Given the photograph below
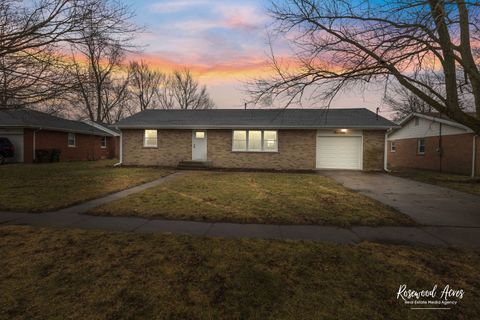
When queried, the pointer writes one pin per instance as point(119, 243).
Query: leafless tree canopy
point(145, 85)
point(182, 91)
point(100, 89)
point(340, 44)
point(31, 70)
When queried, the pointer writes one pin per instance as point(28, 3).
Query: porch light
point(341, 131)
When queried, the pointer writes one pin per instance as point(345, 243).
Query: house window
point(199, 134)
point(393, 147)
point(421, 146)
point(150, 139)
point(71, 140)
point(417, 121)
point(104, 142)
point(255, 140)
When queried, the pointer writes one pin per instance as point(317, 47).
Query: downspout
point(121, 150)
point(34, 143)
point(385, 160)
point(474, 155)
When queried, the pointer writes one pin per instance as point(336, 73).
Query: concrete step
point(194, 165)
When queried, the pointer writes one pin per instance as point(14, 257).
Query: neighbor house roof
point(256, 118)
point(22, 118)
point(436, 117)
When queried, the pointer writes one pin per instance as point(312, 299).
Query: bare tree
point(31, 69)
point(182, 91)
point(145, 84)
point(97, 59)
point(340, 44)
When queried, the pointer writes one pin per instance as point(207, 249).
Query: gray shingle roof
point(22, 118)
point(256, 118)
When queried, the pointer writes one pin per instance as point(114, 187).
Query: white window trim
point(74, 140)
point(145, 140)
point(247, 138)
point(101, 143)
point(418, 146)
point(393, 146)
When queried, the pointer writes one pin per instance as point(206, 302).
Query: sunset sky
point(224, 42)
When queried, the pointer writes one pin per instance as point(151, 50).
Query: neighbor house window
point(71, 139)
point(393, 147)
point(255, 140)
point(421, 146)
point(104, 142)
point(150, 139)
point(417, 121)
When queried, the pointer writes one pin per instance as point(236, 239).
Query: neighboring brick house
point(31, 131)
point(434, 142)
point(278, 139)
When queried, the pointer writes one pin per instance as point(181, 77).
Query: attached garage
point(340, 151)
point(16, 138)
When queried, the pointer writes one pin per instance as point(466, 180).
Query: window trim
point(145, 139)
point(419, 144)
point(247, 141)
point(74, 145)
point(102, 144)
point(393, 146)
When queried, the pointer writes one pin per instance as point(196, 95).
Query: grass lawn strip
point(99, 275)
point(453, 181)
point(47, 187)
point(279, 198)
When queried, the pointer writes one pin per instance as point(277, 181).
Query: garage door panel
point(339, 153)
point(17, 140)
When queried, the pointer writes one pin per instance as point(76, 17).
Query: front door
point(199, 145)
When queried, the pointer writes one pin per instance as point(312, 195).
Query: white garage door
point(16, 138)
point(339, 152)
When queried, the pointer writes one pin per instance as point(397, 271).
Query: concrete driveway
point(427, 204)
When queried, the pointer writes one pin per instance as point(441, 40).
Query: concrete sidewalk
point(424, 236)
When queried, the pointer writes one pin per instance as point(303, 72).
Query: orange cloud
point(231, 71)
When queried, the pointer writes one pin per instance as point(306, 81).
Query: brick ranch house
point(278, 139)
point(30, 131)
point(434, 142)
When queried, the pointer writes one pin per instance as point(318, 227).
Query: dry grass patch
point(256, 198)
point(45, 187)
point(448, 180)
point(71, 274)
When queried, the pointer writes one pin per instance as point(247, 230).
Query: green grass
point(256, 198)
point(60, 274)
point(448, 180)
point(45, 187)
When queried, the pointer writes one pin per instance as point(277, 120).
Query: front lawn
point(45, 187)
point(55, 274)
point(447, 180)
point(256, 198)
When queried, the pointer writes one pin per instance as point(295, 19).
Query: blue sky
point(223, 42)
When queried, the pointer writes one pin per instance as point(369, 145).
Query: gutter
point(121, 151)
point(474, 155)
point(385, 155)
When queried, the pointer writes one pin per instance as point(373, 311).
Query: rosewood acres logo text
point(430, 299)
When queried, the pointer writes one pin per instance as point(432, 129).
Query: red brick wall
point(88, 147)
point(456, 156)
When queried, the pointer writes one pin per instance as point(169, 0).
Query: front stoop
point(194, 165)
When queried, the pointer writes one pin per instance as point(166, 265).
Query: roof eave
point(229, 127)
point(57, 129)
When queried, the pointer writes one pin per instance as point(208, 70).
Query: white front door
point(199, 145)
